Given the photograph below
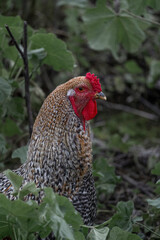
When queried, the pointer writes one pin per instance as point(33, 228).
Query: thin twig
point(141, 18)
point(144, 226)
point(116, 6)
point(134, 111)
point(14, 41)
point(152, 107)
point(26, 71)
point(145, 102)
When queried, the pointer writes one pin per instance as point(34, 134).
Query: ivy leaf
point(5, 90)
point(57, 54)
point(20, 153)
point(98, 234)
point(107, 30)
point(119, 234)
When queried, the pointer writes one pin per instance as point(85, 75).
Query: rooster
point(60, 150)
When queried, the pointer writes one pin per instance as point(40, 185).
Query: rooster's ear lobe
point(70, 93)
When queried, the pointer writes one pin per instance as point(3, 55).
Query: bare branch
point(14, 41)
point(26, 71)
point(134, 111)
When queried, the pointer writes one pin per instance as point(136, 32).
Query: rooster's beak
point(100, 96)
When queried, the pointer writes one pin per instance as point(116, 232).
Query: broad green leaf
point(98, 234)
point(5, 90)
point(106, 30)
point(15, 25)
point(10, 21)
point(154, 203)
point(63, 217)
point(10, 128)
point(57, 54)
point(20, 153)
point(15, 179)
point(122, 218)
point(118, 234)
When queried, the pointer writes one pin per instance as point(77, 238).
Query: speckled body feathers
point(60, 153)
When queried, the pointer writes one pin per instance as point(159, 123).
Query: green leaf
point(5, 90)
point(98, 234)
point(64, 219)
point(137, 6)
point(15, 107)
point(71, 216)
point(107, 30)
point(16, 27)
point(10, 21)
point(20, 153)
point(107, 178)
point(156, 169)
point(15, 179)
point(57, 54)
point(154, 203)
point(123, 216)
point(118, 234)
point(10, 128)
point(29, 188)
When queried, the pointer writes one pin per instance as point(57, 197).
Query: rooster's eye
point(81, 89)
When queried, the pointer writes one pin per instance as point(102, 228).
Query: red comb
point(94, 82)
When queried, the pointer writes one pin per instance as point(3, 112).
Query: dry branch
point(26, 72)
point(128, 109)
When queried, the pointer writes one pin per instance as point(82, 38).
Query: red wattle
point(90, 110)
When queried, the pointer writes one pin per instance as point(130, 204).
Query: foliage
point(118, 41)
point(27, 220)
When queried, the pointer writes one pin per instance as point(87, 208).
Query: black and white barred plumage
point(60, 153)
